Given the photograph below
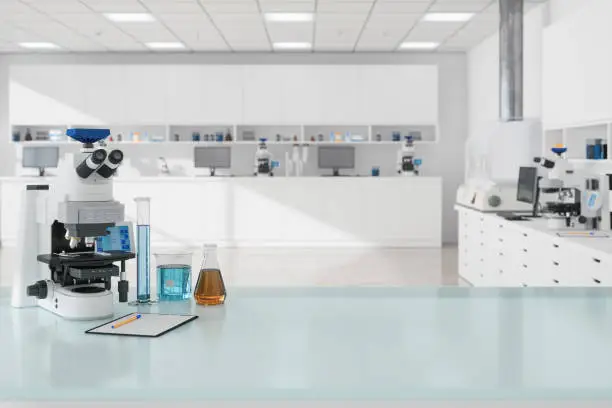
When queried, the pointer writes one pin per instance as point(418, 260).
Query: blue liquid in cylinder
point(143, 280)
point(174, 282)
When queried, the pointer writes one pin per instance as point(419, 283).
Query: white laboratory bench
point(404, 345)
point(272, 211)
point(496, 252)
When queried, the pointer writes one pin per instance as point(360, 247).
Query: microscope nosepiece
point(91, 163)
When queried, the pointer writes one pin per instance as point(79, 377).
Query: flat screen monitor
point(213, 157)
point(40, 157)
point(336, 157)
point(527, 190)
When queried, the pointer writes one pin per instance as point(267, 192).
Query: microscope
point(576, 194)
point(263, 160)
point(79, 282)
point(407, 165)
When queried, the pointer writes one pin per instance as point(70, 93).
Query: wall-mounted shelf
point(576, 138)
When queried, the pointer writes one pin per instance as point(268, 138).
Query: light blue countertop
point(326, 343)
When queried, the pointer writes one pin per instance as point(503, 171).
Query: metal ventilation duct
point(511, 60)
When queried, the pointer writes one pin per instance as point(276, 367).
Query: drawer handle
point(555, 263)
point(597, 260)
point(555, 245)
point(556, 281)
point(597, 281)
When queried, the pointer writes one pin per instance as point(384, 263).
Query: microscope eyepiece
point(91, 163)
point(110, 165)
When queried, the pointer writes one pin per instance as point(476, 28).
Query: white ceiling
point(238, 25)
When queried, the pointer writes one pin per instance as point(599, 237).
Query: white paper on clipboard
point(149, 325)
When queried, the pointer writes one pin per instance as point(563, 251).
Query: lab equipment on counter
point(16, 136)
point(396, 136)
point(147, 325)
point(228, 136)
point(378, 137)
point(173, 275)
point(80, 210)
point(219, 136)
point(210, 288)
point(195, 137)
point(294, 164)
point(375, 171)
point(574, 194)
point(278, 138)
point(406, 162)
point(163, 166)
point(493, 158)
point(320, 137)
point(213, 158)
point(28, 135)
point(263, 160)
point(143, 249)
point(40, 157)
point(336, 158)
point(177, 137)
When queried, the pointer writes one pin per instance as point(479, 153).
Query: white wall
point(445, 159)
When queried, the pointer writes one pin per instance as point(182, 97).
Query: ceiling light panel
point(400, 7)
point(277, 6)
point(419, 45)
point(130, 17)
point(230, 7)
point(292, 46)
point(460, 6)
point(283, 32)
point(289, 17)
point(447, 17)
point(173, 7)
point(166, 46)
point(344, 7)
point(42, 45)
point(433, 32)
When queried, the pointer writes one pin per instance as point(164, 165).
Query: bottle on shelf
point(28, 135)
point(16, 136)
point(312, 138)
point(295, 138)
point(206, 137)
point(320, 137)
point(195, 136)
point(210, 288)
point(177, 137)
point(228, 135)
point(119, 137)
point(278, 137)
point(378, 137)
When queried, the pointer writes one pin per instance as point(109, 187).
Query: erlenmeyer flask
point(210, 289)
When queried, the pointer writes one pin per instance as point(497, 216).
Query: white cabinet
point(496, 252)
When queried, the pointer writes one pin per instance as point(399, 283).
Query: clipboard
point(149, 325)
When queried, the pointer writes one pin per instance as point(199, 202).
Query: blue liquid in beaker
point(143, 280)
point(174, 282)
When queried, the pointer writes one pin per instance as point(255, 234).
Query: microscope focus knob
point(39, 289)
point(582, 219)
point(494, 201)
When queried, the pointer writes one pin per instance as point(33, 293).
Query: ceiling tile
point(283, 32)
point(433, 31)
point(400, 7)
point(115, 6)
point(405, 21)
point(13, 6)
point(381, 38)
point(288, 6)
point(201, 34)
point(344, 7)
point(175, 7)
point(184, 19)
point(231, 7)
point(150, 32)
point(209, 47)
point(60, 6)
point(460, 6)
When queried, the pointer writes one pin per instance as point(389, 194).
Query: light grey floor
point(314, 267)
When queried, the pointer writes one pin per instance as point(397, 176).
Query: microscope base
point(64, 302)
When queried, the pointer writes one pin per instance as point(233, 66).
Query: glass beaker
point(143, 251)
point(173, 275)
point(210, 288)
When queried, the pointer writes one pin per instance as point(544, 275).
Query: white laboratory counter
point(466, 347)
point(265, 211)
point(496, 252)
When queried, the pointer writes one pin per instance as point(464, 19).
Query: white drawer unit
point(500, 253)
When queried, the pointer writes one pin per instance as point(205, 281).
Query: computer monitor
point(213, 157)
point(40, 157)
point(528, 190)
point(336, 158)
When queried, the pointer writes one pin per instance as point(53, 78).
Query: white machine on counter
point(493, 159)
point(294, 163)
point(81, 209)
point(407, 164)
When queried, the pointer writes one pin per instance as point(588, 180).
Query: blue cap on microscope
point(88, 135)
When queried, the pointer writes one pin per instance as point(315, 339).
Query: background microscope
point(263, 165)
point(573, 194)
point(81, 210)
point(407, 164)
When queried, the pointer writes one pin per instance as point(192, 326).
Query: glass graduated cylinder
point(143, 279)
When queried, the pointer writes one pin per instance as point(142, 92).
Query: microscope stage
point(85, 258)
